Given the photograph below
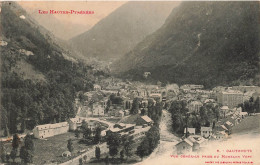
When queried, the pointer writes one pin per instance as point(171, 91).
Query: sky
point(101, 9)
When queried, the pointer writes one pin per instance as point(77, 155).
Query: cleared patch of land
point(247, 124)
point(50, 150)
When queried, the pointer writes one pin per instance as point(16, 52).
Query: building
point(246, 88)
point(194, 106)
point(74, 123)
point(144, 120)
point(221, 135)
point(223, 111)
point(49, 130)
point(98, 110)
point(156, 94)
point(206, 131)
point(198, 142)
point(97, 87)
point(3, 43)
point(119, 113)
point(230, 98)
point(121, 128)
point(191, 131)
point(229, 126)
point(185, 146)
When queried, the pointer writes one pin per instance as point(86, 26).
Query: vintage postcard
point(130, 82)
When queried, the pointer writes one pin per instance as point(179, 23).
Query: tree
point(153, 136)
point(113, 151)
point(28, 156)
point(3, 152)
point(107, 160)
point(135, 106)
point(13, 154)
point(143, 112)
point(122, 155)
point(143, 149)
point(257, 105)
point(128, 146)
point(28, 142)
point(77, 133)
point(23, 153)
point(213, 125)
point(70, 145)
point(7, 157)
point(16, 141)
point(97, 152)
point(84, 125)
point(207, 124)
point(87, 132)
point(113, 142)
point(85, 157)
point(80, 161)
point(97, 137)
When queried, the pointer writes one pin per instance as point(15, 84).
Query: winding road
point(167, 143)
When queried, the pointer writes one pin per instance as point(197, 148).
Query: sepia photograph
point(130, 82)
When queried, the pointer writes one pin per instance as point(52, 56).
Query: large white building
point(48, 130)
point(230, 98)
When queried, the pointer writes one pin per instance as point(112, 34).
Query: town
point(118, 117)
point(125, 82)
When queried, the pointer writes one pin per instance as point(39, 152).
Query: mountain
point(210, 43)
point(39, 81)
point(120, 31)
point(62, 29)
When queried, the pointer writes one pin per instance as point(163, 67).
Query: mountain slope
point(38, 81)
point(120, 31)
point(210, 43)
point(61, 29)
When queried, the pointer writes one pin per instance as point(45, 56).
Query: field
point(247, 124)
point(50, 150)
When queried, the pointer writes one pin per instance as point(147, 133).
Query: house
point(206, 131)
point(185, 146)
point(229, 126)
point(97, 87)
point(194, 106)
point(224, 110)
point(74, 123)
point(198, 142)
point(127, 112)
point(144, 120)
point(156, 94)
point(243, 114)
point(221, 135)
point(119, 114)
point(219, 128)
point(191, 131)
point(3, 43)
point(98, 110)
point(49, 130)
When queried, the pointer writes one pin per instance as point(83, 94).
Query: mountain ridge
point(120, 31)
point(200, 42)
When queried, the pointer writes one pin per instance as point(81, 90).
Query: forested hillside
point(120, 31)
point(38, 82)
point(209, 43)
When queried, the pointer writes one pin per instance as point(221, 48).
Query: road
point(167, 143)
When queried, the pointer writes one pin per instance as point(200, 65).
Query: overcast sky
point(101, 9)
